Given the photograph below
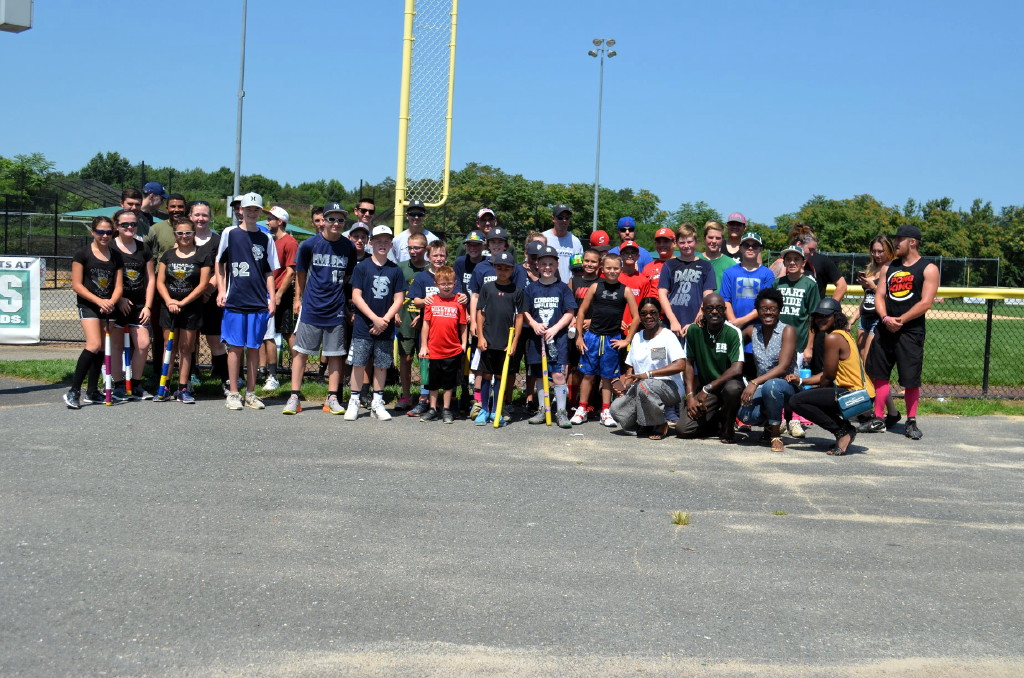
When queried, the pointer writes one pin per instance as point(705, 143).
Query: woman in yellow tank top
point(841, 370)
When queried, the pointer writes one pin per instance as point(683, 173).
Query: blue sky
point(749, 106)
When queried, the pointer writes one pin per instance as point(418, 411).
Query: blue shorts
point(600, 358)
point(244, 329)
point(868, 325)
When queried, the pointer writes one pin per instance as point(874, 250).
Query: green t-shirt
point(713, 354)
point(408, 312)
point(801, 298)
point(160, 239)
point(719, 265)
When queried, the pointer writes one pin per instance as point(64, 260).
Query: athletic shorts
point(188, 318)
point(868, 325)
point(536, 369)
point(558, 353)
point(284, 316)
point(213, 315)
point(492, 361)
point(244, 329)
point(93, 313)
point(904, 350)
point(309, 339)
point(129, 319)
point(271, 329)
point(409, 345)
point(444, 373)
point(380, 349)
point(600, 358)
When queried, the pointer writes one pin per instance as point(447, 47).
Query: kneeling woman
point(841, 372)
point(181, 281)
point(653, 375)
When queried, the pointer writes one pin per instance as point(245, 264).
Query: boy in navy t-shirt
point(378, 290)
point(246, 261)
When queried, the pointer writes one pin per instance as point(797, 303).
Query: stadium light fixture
point(602, 45)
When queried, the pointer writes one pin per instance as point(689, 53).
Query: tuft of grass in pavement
point(779, 513)
point(680, 518)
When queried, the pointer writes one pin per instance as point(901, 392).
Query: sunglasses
point(184, 233)
point(627, 228)
point(563, 218)
point(416, 215)
point(335, 220)
point(751, 246)
point(128, 224)
point(366, 211)
point(99, 232)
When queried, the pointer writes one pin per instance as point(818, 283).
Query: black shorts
point(284, 316)
point(93, 312)
point(904, 350)
point(444, 373)
point(492, 360)
point(211, 316)
point(188, 318)
point(129, 319)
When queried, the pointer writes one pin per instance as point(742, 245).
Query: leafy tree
point(696, 213)
point(111, 168)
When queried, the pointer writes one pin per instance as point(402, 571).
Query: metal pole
point(597, 162)
point(7, 222)
point(988, 347)
point(241, 96)
point(403, 117)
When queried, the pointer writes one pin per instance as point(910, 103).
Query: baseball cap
point(536, 248)
point(750, 235)
point(736, 216)
point(549, 251)
point(559, 208)
point(154, 187)
point(416, 206)
point(627, 244)
point(664, 233)
point(251, 200)
point(235, 201)
point(576, 261)
point(600, 241)
point(795, 249)
point(486, 210)
point(381, 230)
point(503, 258)
point(828, 306)
point(908, 231)
point(498, 232)
point(335, 207)
point(474, 236)
point(358, 226)
point(279, 212)
point(627, 222)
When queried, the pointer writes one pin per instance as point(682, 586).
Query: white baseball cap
point(252, 200)
point(279, 212)
point(381, 230)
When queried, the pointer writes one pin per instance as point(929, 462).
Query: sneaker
point(195, 382)
point(352, 411)
point(186, 398)
point(271, 384)
point(91, 397)
point(429, 415)
point(891, 419)
point(579, 416)
point(119, 395)
point(874, 425)
point(474, 411)
point(421, 408)
point(911, 430)
point(165, 398)
point(404, 403)
point(378, 411)
point(562, 419)
point(539, 418)
point(293, 406)
point(253, 401)
point(226, 387)
point(71, 399)
point(331, 406)
point(741, 427)
point(234, 401)
point(796, 430)
point(504, 421)
point(481, 417)
point(143, 395)
point(365, 401)
point(447, 417)
point(606, 419)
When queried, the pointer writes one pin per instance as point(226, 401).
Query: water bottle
point(805, 373)
point(552, 352)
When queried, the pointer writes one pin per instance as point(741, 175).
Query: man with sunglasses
point(564, 242)
point(627, 233)
point(415, 214)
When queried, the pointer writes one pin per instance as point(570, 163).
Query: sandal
point(837, 451)
point(659, 433)
point(727, 437)
point(778, 445)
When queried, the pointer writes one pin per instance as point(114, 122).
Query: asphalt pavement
point(168, 540)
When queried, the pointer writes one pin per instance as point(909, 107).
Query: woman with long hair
point(96, 280)
point(134, 309)
point(881, 252)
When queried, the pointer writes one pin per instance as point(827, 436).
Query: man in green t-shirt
point(713, 239)
point(801, 296)
point(713, 375)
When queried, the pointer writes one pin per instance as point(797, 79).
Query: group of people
point(707, 342)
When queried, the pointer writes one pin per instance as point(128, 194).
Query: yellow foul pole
point(403, 116)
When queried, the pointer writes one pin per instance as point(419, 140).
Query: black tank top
point(903, 287)
point(606, 308)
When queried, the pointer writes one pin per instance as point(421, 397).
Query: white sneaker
point(253, 401)
point(606, 419)
point(796, 429)
point(271, 384)
point(352, 411)
point(579, 416)
point(234, 401)
point(378, 410)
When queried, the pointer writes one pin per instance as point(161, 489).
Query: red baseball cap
point(600, 241)
point(665, 233)
point(627, 244)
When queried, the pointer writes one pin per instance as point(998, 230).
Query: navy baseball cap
point(334, 207)
point(548, 251)
point(558, 209)
point(154, 187)
point(498, 232)
point(536, 248)
point(416, 206)
point(908, 231)
point(503, 258)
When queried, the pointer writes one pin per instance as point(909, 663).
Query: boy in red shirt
point(443, 341)
point(631, 277)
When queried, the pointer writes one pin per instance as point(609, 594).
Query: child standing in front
point(499, 309)
point(443, 341)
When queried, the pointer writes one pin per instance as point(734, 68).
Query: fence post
point(990, 303)
point(56, 219)
point(7, 223)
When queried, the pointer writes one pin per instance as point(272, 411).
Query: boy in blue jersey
point(378, 290)
point(740, 286)
point(246, 261)
point(323, 266)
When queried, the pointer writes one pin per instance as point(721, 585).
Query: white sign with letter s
point(19, 300)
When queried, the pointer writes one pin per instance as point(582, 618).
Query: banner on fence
point(19, 300)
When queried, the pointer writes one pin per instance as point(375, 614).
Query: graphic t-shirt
point(740, 288)
point(249, 257)
point(903, 288)
point(662, 349)
point(485, 273)
point(686, 282)
point(446, 318)
point(566, 246)
point(97, 275)
point(713, 353)
point(378, 284)
point(182, 274)
point(464, 273)
point(547, 303)
point(133, 274)
point(637, 284)
point(326, 264)
point(800, 298)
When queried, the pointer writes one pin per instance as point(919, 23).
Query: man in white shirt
point(564, 242)
point(415, 213)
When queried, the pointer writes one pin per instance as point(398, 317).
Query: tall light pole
point(238, 124)
point(602, 48)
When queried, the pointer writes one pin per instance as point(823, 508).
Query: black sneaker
point(71, 400)
point(446, 416)
point(892, 419)
point(92, 397)
point(911, 430)
point(875, 425)
point(429, 415)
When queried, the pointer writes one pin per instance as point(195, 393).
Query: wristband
point(707, 389)
point(884, 318)
point(800, 382)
